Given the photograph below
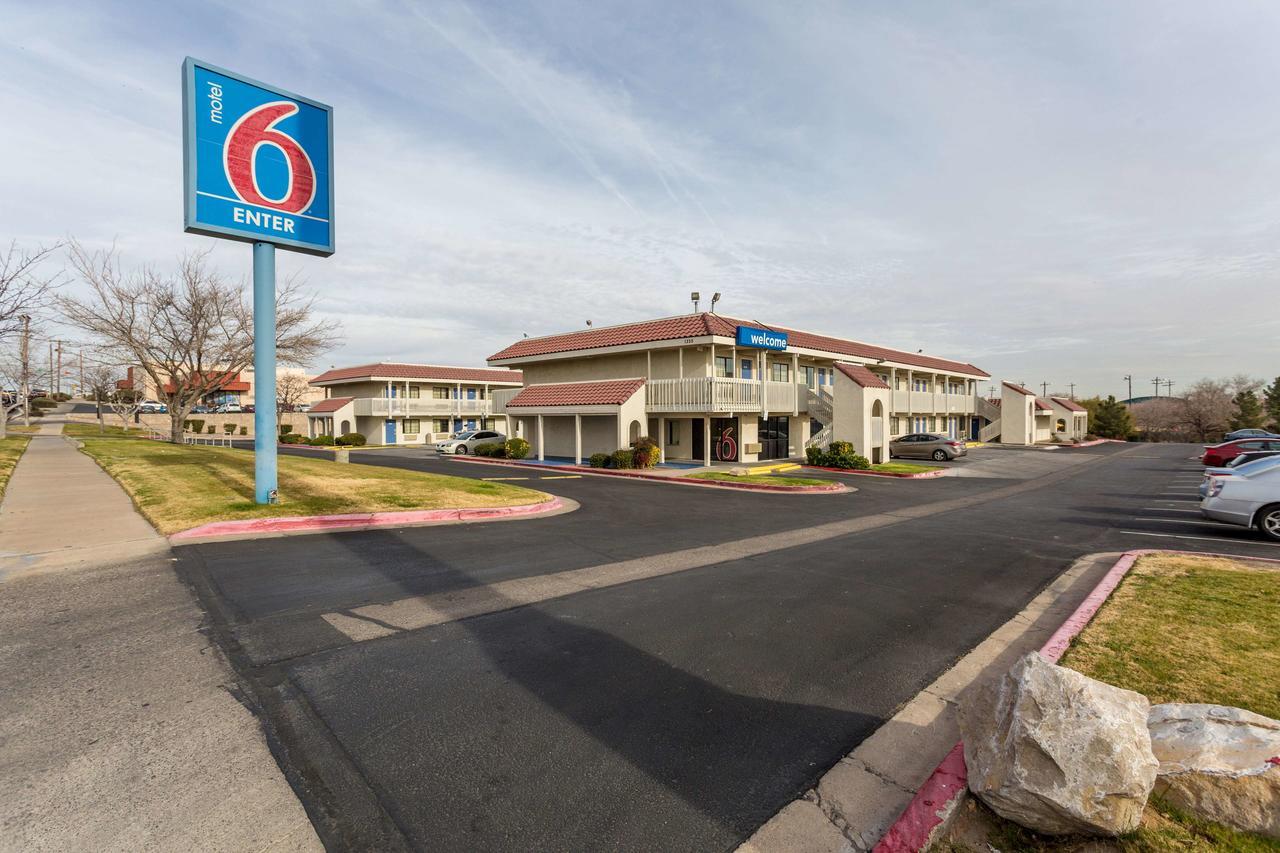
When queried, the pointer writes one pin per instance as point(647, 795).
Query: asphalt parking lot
point(663, 668)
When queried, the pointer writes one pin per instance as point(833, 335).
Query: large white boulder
point(1220, 763)
point(1058, 752)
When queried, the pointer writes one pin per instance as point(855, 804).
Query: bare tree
point(23, 290)
point(291, 389)
point(1159, 419)
point(1206, 409)
point(13, 397)
point(190, 331)
point(102, 385)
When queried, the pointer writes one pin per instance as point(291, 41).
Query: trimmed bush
point(211, 429)
point(644, 452)
point(285, 429)
point(196, 425)
point(813, 455)
point(321, 441)
point(496, 451)
point(517, 448)
point(244, 430)
point(351, 439)
point(839, 455)
point(292, 438)
point(623, 459)
point(229, 429)
point(599, 460)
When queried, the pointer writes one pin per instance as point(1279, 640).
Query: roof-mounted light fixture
point(695, 296)
point(715, 297)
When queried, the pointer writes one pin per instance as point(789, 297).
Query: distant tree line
point(1208, 409)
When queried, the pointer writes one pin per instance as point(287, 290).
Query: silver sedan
point(467, 442)
point(925, 445)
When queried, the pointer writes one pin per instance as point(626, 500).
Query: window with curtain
point(779, 371)
point(724, 366)
point(412, 426)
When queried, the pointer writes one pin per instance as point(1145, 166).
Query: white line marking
point(562, 477)
point(504, 478)
point(1169, 509)
point(1220, 540)
point(261, 207)
point(1185, 521)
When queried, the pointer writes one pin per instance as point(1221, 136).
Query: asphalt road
point(678, 711)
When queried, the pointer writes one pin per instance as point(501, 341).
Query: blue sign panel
point(259, 161)
point(749, 336)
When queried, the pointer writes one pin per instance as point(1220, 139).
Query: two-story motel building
point(712, 388)
point(392, 403)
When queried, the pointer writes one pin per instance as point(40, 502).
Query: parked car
point(1243, 469)
point(152, 407)
point(467, 442)
point(302, 407)
point(228, 409)
point(924, 445)
point(1251, 456)
point(248, 410)
point(1249, 433)
point(201, 410)
point(1220, 454)
point(1248, 499)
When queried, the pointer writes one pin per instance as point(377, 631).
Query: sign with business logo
point(749, 336)
point(258, 161)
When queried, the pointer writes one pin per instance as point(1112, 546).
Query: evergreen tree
point(1271, 395)
point(1111, 419)
point(1248, 411)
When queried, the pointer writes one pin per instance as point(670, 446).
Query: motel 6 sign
point(259, 161)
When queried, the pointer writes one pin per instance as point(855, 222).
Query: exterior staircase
point(984, 408)
point(820, 407)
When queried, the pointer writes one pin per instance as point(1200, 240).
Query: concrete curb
point(937, 800)
point(923, 475)
point(361, 521)
point(834, 488)
point(1093, 443)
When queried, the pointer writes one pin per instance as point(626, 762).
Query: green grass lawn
point(904, 468)
point(178, 487)
point(1177, 629)
point(11, 448)
point(770, 479)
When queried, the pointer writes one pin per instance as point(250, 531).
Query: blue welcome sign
point(749, 336)
point(258, 161)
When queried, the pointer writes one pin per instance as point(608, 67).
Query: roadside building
point(231, 387)
point(393, 403)
point(1070, 419)
point(712, 388)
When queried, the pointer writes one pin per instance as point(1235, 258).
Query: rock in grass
point(1220, 763)
point(1058, 752)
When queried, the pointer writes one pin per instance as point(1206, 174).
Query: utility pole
point(1129, 379)
point(26, 369)
point(1073, 390)
point(59, 379)
point(82, 372)
point(1168, 387)
point(48, 391)
point(1044, 389)
point(1157, 382)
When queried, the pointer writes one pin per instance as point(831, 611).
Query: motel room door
point(775, 438)
point(698, 444)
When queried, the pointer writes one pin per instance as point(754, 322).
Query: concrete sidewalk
point(119, 726)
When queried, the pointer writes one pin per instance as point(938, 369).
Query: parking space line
point(1170, 509)
point(504, 478)
point(1219, 539)
point(1185, 521)
point(561, 477)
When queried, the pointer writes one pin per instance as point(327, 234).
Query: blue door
point(393, 390)
point(457, 424)
point(471, 393)
point(390, 437)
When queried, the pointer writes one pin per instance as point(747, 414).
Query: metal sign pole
point(264, 373)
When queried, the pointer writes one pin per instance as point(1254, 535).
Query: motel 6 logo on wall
point(259, 161)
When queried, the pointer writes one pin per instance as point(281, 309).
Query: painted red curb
point(923, 475)
point(1093, 443)
point(360, 520)
point(946, 787)
point(638, 475)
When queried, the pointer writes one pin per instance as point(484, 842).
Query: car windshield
point(1257, 465)
point(463, 436)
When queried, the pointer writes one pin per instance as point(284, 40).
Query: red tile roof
point(1043, 406)
point(1069, 405)
point(1013, 387)
point(332, 404)
point(424, 372)
point(704, 324)
point(610, 392)
point(860, 374)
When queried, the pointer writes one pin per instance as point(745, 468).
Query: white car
point(1246, 469)
point(228, 409)
point(467, 442)
point(1249, 499)
point(152, 407)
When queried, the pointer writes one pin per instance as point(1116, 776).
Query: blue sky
point(1058, 192)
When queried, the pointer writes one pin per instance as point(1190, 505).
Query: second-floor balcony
point(388, 407)
point(718, 394)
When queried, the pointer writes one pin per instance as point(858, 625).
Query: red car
point(1220, 454)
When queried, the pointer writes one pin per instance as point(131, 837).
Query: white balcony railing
point(716, 394)
point(399, 407)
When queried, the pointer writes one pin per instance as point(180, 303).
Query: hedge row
point(839, 455)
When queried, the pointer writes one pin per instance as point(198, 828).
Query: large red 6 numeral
point(255, 128)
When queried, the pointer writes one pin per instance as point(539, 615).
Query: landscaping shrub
point(285, 429)
point(61, 398)
point(212, 429)
point(350, 439)
point(599, 460)
point(839, 455)
point(229, 429)
point(292, 438)
point(244, 430)
point(492, 450)
point(623, 459)
point(813, 455)
point(321, 441)
point(644, 452)
point(517, 448)
point(195, 425)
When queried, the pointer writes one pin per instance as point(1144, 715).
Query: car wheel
point(940, 456)
point(461, 451)
point(1269, 522)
